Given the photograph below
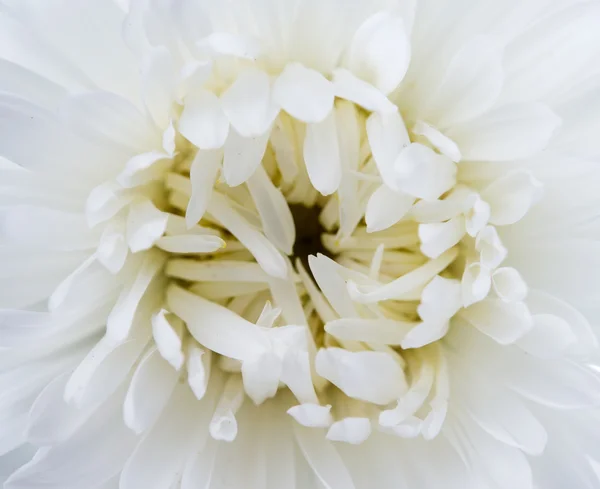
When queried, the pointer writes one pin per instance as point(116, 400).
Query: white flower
point(277, 244)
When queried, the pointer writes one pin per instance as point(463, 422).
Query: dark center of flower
point(308, 233)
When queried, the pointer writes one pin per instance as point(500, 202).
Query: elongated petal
point(216, 327)
point(322, 155)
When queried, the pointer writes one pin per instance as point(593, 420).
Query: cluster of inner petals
point(205, 214)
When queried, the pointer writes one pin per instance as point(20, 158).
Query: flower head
point(298, 243)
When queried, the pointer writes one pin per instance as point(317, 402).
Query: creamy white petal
point(242, 156)
point(350, 430)
point(203, 121)
point(369, 376)
point(502, 321)
point(304, 93)
point(423, 173)
point(382, 331)
point(380, 51)
point(247, 104)
point(440, 237)
point(511, 196)
point(276, 217)
point(151, 387)
point(167, 333)
point(387, 136)
point(216, 327)
point(203, 175)
point(443, 143)
point(322, 155)
point(550, 337)
point(386, 207)
point(528, 127)
point(261, 248)
point(470, 85)
point(353, 89)
point(145, 225)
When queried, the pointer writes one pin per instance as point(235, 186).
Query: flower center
point(309, 231)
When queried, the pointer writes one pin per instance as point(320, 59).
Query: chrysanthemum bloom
point(297, 244)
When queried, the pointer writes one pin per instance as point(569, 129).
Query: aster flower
point(276, 244)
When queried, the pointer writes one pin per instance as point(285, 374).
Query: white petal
point(149, 392)
point(349, 140)
point(120, 320)
point(404, 285)
point(443, 143)
point(476, 283)
point(557, 383)
point(226, 43)
point(323, 459)
point(550, 337)
point(112, 249)
point(106, 117)
point(51, 419)
point(144, 168)
point(387, 136)
point(511, 196)
point(322, 155)
point(261, 248)
point(298, 375)
point(304, 93)
point(456, 202)
point(470, 85)
point(261, 376)
point(368, 375)
point(105, 201)
point(312, 415)
point(203, 175)
point(203, 121)
point(102, 371)
point(425, 334)
point(247, 104)
point(326, 273)
point(542, 303)
point(275, 214)
point(168, 139)
point(198, 364)
point(411, 400)
point(528, 127)
point(45, 226)
point(506, 418)
point(216, 327)
point(439, 237)
point(502, 321)
point(223, 425)
point(353, 89)
point(423, 173)
point(509, 285)
point(168, 338)
point(190, 244)
point(63, 289)
point(478, 216)
point(350, 430)
point(145, 224)
point(242, 156)
point(491, 250)
point(158, 85)
point(380, 51)
point(381, 331)
point(193, 74)
point(173, 430)
point(440, 300)
point(386, 207)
